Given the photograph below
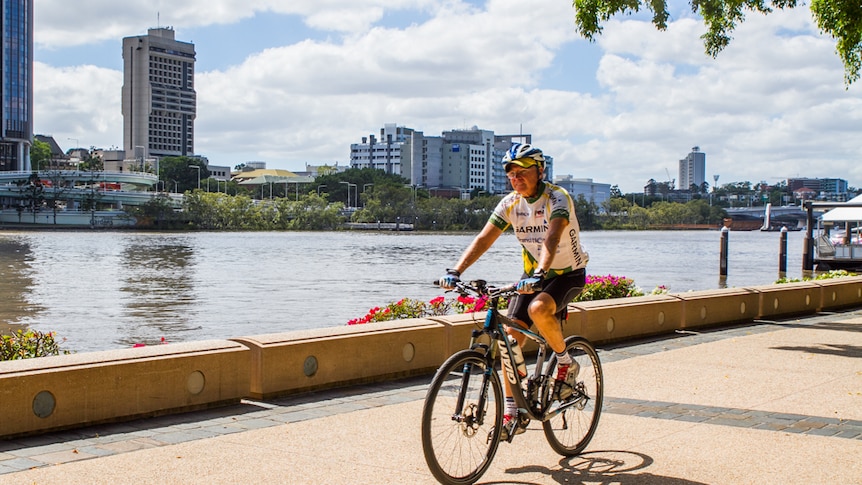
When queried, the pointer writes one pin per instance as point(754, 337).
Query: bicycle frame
point(495, 327)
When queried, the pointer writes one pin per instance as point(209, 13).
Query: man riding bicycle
point(543, 218)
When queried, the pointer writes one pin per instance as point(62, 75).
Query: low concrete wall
point(52, 393)
point(713, 307)
point(606, 321)
point(840, 293)
point(316, 359)
point(786, 300)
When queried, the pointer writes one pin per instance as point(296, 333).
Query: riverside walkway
point(769, 402)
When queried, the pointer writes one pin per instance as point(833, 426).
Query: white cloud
point(80, 103)
point(772, 104)
point(61, 23)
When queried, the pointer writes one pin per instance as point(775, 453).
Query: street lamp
point(76, 142)
point(199, 174)
point(364, 188)
point(413, 187)
point(318, 189)
point(355, 192)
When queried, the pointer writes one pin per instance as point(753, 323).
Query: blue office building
point(16, 120)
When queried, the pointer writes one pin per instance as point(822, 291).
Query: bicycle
point(463, 410)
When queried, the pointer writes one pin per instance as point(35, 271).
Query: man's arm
point(556, 227)
point(477, 248)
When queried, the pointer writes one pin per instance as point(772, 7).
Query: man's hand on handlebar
point(531, 284)
point(449, 281)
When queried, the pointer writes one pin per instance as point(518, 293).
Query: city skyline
point(295, 84)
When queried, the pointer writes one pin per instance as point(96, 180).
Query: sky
point(295, 82)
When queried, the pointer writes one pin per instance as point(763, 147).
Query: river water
point(106, 290)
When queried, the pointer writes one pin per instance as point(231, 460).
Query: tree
point(40, 155)
point(180, 170)
point(841, 19)
point(58, 188)
point(92, 163)
point(33, 192)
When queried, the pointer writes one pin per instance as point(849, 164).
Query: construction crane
point(670, 181)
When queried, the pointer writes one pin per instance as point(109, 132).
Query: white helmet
point(524, 155)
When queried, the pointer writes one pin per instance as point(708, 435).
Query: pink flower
point(437, 301)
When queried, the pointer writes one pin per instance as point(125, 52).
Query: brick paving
point(96, 441)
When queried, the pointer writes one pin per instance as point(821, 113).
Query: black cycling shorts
point(563, 289)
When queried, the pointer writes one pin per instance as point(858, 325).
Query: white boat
point(838, 246)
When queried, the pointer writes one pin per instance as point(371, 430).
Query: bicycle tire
point(570, 432)
point(458, 448)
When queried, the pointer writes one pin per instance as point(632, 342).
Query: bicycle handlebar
point(481, 288)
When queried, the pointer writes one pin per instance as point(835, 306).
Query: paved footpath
point(770, 402)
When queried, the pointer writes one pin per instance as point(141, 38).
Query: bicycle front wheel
point(461, 418)
point(571, 430)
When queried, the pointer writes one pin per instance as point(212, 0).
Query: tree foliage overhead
point(841, 19)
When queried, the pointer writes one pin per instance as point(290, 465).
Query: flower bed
point(597, 288)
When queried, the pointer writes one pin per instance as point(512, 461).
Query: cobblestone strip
point(741, 418)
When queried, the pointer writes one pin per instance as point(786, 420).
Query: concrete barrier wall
point(52, 393)
point(316, 359)
point(618, 319)
point(712, 307)
point(840, 293)
point(786, 300)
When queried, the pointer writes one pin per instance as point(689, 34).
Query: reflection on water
point(16, 309)
point(104, 290)
point(158, 291)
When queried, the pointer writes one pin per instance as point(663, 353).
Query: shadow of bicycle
point(604, 467)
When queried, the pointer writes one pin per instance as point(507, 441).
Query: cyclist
point(543, 218)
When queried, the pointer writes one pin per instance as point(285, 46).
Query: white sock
point(564, 358)
point(511, 407)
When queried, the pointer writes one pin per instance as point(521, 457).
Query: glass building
point(16, 121)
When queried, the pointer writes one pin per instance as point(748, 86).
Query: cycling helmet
point(523, 155)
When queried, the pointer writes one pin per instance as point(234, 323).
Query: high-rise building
point(159, 99)
point(692, 169)
point(16, 120)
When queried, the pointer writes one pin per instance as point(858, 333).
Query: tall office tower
point(159, 99)
point(692, 169)
point(16, 120)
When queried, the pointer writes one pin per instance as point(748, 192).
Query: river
point(106, 290)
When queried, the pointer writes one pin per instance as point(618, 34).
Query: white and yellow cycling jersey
point(529, 219)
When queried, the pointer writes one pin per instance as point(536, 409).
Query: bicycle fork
point(472, 419)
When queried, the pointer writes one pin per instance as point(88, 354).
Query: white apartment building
point(381, 154)
point(464, 160)
point(159, 98)
point(692, 169)
point(591, 191)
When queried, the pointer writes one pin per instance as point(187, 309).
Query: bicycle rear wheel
point(571, 430)
point(461, 418)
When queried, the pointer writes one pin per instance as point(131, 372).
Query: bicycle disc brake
point(469, 421)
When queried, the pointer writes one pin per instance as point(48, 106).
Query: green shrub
point(835, 273)
point(29, 344)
